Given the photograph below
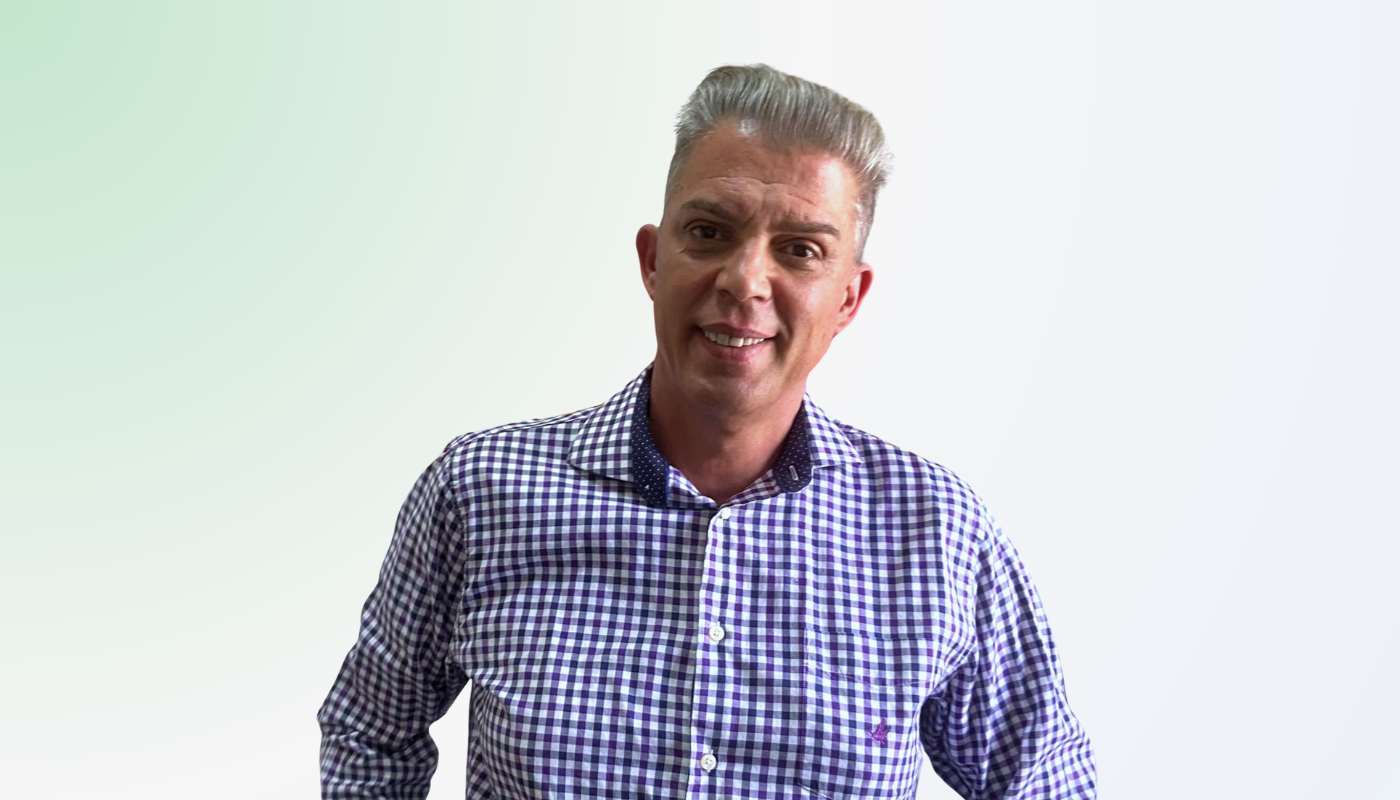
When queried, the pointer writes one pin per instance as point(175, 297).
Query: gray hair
point(787, 112)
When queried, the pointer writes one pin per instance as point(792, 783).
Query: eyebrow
point(724, 213)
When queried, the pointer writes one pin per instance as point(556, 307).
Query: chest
point(795, 643)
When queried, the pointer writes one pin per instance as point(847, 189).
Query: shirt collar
point(615, 441)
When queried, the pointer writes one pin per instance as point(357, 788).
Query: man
point(706, 586)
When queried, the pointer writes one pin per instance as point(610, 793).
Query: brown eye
point(803, 251)
point(705, 231)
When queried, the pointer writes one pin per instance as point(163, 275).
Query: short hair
point(787, 111)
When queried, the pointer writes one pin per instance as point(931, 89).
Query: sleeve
point(399, 677)
point(1002, 727)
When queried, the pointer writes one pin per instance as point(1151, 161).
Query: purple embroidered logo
point(880, 732)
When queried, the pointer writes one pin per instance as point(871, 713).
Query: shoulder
point(561, 426)
point(895, 470)
point(518, 443)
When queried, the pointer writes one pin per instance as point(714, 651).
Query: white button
point(716, 632)
point(708, 761)
point(724, 513)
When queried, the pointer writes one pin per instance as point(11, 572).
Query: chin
point(734, 393)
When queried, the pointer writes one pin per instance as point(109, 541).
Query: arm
point(399, 678)
point(1002, 726)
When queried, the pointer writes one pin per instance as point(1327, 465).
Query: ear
point(646, 254)
point(856, 288)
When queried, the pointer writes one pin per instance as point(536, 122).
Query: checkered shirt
point(626, 637)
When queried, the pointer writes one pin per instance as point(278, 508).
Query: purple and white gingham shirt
point(854, 608)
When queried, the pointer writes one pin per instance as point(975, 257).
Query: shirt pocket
point(860, 729)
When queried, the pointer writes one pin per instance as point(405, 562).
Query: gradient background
point(1136, 276)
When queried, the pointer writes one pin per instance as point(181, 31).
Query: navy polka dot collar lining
point(651, 470)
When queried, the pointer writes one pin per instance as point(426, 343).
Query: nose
point(746, 276)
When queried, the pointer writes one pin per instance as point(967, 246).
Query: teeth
point(731, 341)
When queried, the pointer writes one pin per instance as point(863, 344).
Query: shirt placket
point(714, 633)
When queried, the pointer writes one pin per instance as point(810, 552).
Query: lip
point(732, 355)
point(731, 330)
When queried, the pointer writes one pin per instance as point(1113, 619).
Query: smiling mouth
point(730, 341)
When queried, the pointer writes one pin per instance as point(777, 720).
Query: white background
point(1135, 281)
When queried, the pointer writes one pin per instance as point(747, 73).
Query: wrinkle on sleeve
point(399, 677)
point(1002, 727)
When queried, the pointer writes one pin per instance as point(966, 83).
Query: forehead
point(741, 170)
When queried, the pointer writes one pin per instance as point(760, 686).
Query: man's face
point(753, 243)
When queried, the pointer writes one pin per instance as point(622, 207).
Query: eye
point(803, 250)
point(708, 232)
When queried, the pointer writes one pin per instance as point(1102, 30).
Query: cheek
point(803, 307)
point(810, 321)
point(683, 291)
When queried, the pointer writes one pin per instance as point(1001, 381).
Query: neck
point(720, 451)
